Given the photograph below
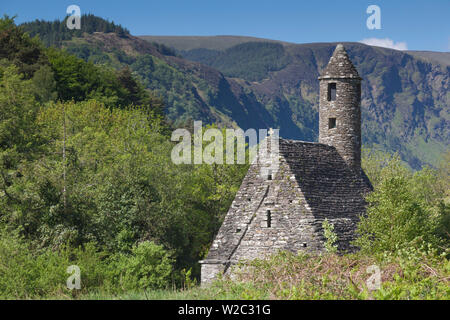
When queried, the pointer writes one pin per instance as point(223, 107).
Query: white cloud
point(386, 43)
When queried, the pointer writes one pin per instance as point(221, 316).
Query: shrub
point(149, 266)
point(330, 236)
point(17, 272)
point(399, 211)
point(26, 274)
point(413, 273)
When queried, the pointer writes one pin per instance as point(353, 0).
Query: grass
point(288, 276)
point(195, 293)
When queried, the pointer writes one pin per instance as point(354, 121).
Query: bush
point(148, 266)
point(25, 274)
point(330, 236)
point(401, 209)
point(414, 273)
point(30, 274)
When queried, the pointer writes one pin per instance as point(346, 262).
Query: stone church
point(284, 210)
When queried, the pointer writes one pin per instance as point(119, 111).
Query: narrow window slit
point(331, 92)
point(269, 219)
point(331, 123)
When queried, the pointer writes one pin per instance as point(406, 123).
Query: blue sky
point(411, 24)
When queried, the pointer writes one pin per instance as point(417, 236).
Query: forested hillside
point(52, 33)
point(86, 174)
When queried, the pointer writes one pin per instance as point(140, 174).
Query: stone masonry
point(346, 108)
point(284, 210)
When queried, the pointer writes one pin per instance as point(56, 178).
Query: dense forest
point(86, 179)
point(251, 60)
point(54, 32)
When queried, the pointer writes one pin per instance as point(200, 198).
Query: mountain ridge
point(218, 42)
point(261, 84)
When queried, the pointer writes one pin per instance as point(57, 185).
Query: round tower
point(340, 107)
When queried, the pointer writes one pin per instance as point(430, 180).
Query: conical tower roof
point(340, 66)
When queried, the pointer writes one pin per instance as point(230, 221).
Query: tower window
point(331, 91)
point(269, 175)
point(331, 123)
point(269, 219)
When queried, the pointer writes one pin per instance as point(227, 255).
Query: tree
point(20, 144)
point(45, 84)
point(18, 48)
point(401, 210)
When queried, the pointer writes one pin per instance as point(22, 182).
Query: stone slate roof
point(340, 66)
point(313, 183)
point(330, 187)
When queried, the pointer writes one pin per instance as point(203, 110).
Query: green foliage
point(114, 195)
point(373, 161)
point(189, 282)
point(250, 61)
point(178, 88)
point(88, 53)
point(148, 266)
point(403, 208)
point(26, 273)
point(30, 274)
point(18, 48)
point(167, 51)
point(45, 84)
point(79, 80)
point(53, 33)
point(59, 75)
point(18, 110)
point(80, 172)
point(422, 275)
point(413, 274)
point(20, 143)
point(330, 236)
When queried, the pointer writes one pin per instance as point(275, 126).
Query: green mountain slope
point(239, 81)
point(191, 91)
point(405, 94)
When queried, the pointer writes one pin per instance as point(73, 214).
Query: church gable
point(283, 220)
point(286, 211)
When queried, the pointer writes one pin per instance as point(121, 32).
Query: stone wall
point(346, 136)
